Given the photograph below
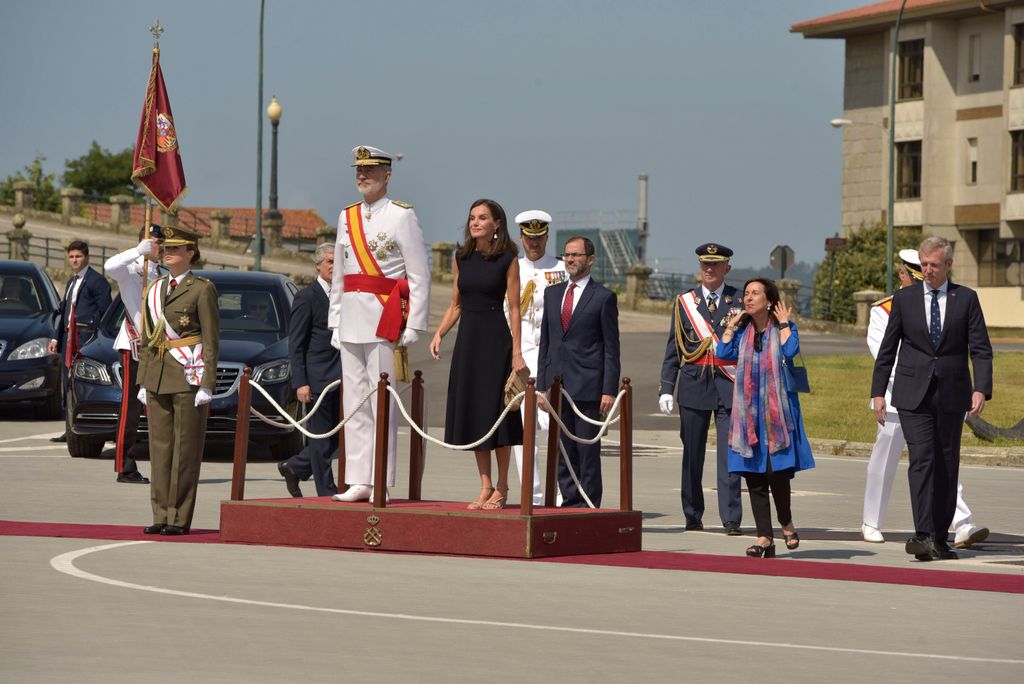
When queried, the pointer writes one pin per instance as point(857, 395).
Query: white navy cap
point(533, 223)
point(912, 263)
point(364, 155)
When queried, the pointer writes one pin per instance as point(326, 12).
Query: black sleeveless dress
point(482, 359)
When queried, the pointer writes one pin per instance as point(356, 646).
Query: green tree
point(861, 266)
point(47, 195)
point(101, 173)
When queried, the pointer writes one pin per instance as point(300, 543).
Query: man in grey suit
point(315, 365)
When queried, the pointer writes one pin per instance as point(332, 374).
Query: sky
point(539, 104)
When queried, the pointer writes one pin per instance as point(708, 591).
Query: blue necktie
point(935, 331)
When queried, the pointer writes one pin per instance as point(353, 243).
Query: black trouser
point(693, 433)
point(585, 458)
point(759, 484)
point(933, 440)
point(131, 409)
point(315, 460)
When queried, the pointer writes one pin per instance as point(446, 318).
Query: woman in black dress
point(486, 349)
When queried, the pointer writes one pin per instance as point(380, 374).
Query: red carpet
point(655, 560)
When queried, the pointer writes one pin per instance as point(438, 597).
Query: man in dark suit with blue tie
point(315, 365)
point(579, 342)
point(86, 297)
point(935, 326)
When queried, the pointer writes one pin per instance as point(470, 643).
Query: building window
point(908, 170)
point(911, 69)
point(972, 161)
point(1018, 55)
point(999, 261)
point(974, 58)
point(1017, 161)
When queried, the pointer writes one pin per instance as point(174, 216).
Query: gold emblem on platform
point(550, 537)
point(184, 320)
point(373, 536)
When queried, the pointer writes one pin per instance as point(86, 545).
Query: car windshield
point(19, 295)
point(243, 308)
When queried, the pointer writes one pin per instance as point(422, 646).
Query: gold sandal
point(485, 495)
point(497, 500)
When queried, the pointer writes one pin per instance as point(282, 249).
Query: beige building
point(959, 130)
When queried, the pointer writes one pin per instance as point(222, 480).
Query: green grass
point(837, 407)
point(1005, 332)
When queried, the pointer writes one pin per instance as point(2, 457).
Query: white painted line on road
point(65, 563)
point(21, 439)
point(35, 448)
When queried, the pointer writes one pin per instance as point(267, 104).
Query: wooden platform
point(430, 527)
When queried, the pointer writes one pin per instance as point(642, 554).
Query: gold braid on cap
point(527, 296)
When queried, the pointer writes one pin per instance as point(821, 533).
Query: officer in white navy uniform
point(537, 270)
point(380, 297)
point(889, 441)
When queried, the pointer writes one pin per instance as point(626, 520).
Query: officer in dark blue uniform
point(705, 385)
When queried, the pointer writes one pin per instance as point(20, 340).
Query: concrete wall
point(1003, 306)
point(864, 167)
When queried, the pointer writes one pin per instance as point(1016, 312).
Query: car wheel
point(81, 446)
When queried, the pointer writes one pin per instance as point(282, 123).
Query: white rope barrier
point(605, 424)
point(580, 414)
point(512, 406)
point(296, 424)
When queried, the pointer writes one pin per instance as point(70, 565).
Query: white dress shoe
point(969, 534)
point(354, 493)
point(871, 534)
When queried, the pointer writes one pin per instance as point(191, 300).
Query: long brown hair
point(500, 244)
point(771, 293)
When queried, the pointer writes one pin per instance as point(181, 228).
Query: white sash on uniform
point(700, 326)
point(191, 358)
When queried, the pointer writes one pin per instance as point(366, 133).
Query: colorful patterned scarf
point(768, 398)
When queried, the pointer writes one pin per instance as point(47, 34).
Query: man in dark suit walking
point(86, 297)
point(935, 326)
point(579, 342)
point(315, 365)
point(705, 386)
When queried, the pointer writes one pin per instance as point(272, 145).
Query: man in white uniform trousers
point(889, 442)
point(380, 298)
point(537, 270)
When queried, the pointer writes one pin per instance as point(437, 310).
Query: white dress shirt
point(942, 303)
point(580, 285)
point(325, 285)
point(718, 294)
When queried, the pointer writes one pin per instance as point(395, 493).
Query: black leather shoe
point(694, 526)
point(920, 546)
point(291, 480)
point(733, 529)
point(173, 531)
point(60, 440)
point(941, 551)
point(134, 477)
point(155, 528)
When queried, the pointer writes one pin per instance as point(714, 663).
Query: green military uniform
point(177, 427)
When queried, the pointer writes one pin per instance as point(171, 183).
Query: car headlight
point(36, 349)
point(270, 373)
point(92, 371)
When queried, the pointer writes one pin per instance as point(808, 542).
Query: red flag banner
point(156, 165)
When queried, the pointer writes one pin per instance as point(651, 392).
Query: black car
point(28, 372)
point(254, 312)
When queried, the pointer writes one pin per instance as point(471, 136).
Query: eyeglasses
point(575, 255)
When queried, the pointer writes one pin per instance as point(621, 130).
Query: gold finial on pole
point(156, 29)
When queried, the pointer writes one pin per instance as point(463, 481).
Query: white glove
point(543, 420)
point(336, 338)
point(145, 247)
point(141, 396)
point(666, 404)
point(203, 396)
point(408, 337)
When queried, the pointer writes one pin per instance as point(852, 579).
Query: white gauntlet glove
point(408, 337)
point(203, 397)
point(145, 247)
point(141, 396)
point(666, 404)
point(336, 338)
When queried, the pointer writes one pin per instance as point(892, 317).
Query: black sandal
point(758, 551)
point(792, 541)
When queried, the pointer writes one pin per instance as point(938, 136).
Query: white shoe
point(354, 493)
point(871, 534)
point(969, 534)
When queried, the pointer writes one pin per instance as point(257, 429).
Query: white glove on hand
point(145, 247)
point(666, 404)
point(336, 338)
point(408, 337)
point(203, 396)
point(543, 420)
point(141, 396)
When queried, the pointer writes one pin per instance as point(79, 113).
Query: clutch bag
point(515, 384)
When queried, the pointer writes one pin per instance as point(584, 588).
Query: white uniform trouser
point(885, 456)
point(361, 366)
point(530, 357)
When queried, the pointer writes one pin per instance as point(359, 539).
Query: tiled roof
point(298, 223)
point(881, 14)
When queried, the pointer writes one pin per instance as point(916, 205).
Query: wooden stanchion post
point(241, 437)
point(529, 440)
point(626, 448)
point(380, 456)
point(417, 445)
point(342, 487)
point(554, 434)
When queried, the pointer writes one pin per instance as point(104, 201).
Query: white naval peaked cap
point(364, 155)
point(533, 223)
point(912, 262)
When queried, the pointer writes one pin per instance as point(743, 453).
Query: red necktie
point(567, 307)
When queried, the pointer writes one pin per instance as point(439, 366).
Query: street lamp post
point(258, 264)
point(274, 114)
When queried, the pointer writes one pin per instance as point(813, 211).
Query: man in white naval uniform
point(889, 442)
point(380, 298)
point(126, 269)
point(537, 270)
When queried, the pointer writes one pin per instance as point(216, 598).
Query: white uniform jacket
point(126, 270)
point(877, 323)
point(547, 270)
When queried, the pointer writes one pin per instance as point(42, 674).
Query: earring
point(769, 308)
point(495, 236)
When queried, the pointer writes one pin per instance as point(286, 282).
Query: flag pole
point(145, 269)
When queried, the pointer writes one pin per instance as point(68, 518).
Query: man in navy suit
point(86, 297)
point(579, 342)
point(935, 326)
point(315, 365)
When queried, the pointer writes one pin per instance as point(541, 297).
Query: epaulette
point(202, 279)
point(400, 203)
point(354, 204)
point(881, 301)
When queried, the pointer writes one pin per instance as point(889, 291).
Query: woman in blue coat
point(767, 442)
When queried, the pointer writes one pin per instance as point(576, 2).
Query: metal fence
point(51, 252)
